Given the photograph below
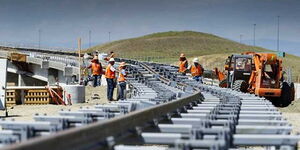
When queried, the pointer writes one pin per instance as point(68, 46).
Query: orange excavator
point(257, 73)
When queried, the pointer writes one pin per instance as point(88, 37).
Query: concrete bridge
point(37, 69)
point(28, 69)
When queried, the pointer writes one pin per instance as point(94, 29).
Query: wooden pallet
point(12, 97)
point(40, 96)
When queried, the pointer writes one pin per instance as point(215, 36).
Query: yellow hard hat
point(182, 55)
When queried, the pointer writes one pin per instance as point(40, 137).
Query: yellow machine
point(257, 73)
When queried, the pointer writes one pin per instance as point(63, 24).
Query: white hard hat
point(195, 60)
point(86, 56)
point(111, 59)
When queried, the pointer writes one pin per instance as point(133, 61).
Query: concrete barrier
point(76, 93)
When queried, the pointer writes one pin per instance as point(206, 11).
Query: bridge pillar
point(67, 74)
point(20, 80)
point(45, 64)
point(52, 76)
point(68, 71)
point(62, 77)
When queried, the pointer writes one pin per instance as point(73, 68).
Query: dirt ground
point(93, 96)
point(292, 113)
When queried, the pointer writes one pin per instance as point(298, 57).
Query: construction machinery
point(257, 73)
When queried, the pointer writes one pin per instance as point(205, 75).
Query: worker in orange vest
point(122, 80)
point(196, 70)
point(110, 75)
point(183, 64)
point(97, 71)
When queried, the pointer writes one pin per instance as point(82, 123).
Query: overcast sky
point(62, 21)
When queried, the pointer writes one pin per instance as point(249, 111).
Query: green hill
point(171, 44)
point(167, 46)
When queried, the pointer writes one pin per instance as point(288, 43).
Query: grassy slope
point(167, 46)
point(172, 44)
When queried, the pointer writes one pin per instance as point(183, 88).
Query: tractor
point(257, 73)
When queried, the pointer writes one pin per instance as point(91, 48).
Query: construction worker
point(111, 55)
point(183, 64)
point(96, 68)
point(96, 53)
point(110, 75)
point(122, 80)
point(239, 65)
point(196, 70)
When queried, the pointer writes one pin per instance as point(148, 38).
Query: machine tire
point(240, 85)
point(286, 96)
point(223, 83)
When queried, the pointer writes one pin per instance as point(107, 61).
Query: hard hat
point(86, 56)
point(111, 59)
point(182, 55)
point(195, 60)
point(122, 64)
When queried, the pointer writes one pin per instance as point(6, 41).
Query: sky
point(62, 22)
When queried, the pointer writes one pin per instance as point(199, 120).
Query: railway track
point(165, 111)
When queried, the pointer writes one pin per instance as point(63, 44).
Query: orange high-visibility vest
point(182, 66)
point(96, 68)
point(196, 70)
point(108, 73)
point(121, 77)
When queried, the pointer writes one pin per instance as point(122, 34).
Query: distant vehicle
point(257, 73)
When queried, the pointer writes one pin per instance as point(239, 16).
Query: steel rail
point(95, 136)
point(162, 78)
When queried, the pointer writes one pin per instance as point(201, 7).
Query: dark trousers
point(97, 80)
point(122, 87)
point(110, 88)
point(198, 79)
